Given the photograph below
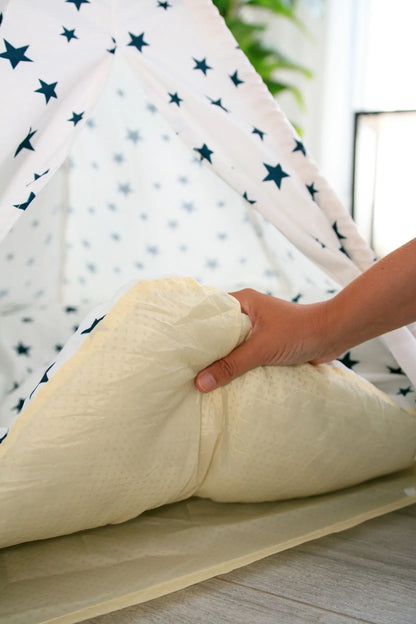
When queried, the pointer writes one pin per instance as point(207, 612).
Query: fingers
point(239, 361)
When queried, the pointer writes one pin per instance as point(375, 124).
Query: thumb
point(232, 365)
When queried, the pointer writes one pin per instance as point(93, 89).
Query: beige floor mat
point(71, 578)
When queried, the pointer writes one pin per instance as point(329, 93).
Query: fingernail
point(206, 382)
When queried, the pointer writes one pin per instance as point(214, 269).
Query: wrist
point(329, 331)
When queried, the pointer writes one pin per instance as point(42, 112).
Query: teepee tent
point(138, 142)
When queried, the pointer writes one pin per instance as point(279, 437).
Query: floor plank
point(365, 574)
point(368, 572)
point(219, 601)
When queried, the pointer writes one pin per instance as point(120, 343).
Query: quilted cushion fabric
point(121, 428)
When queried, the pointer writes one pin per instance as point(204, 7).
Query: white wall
point(362, 53)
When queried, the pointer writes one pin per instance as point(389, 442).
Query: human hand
point(283, 333)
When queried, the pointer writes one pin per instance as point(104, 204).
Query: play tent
point(138, 142)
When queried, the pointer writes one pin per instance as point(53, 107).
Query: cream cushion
point(120, 427)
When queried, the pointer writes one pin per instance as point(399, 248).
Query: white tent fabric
point(137, 142)
point(58, 59)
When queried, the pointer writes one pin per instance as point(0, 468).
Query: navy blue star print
point(236, 80)
point(347, 360)
point(48, 90)
point(18, 407)
point(202, 65)
point(78, 3)
point(405, 391)
point(22, 349)
point(69, 34)
point(26, 203)
point(15, 55)
point(299, 147)
point(76, 117)
point(320, 242)
point(94, 324)
point(312, 190)
point(259, 132)
point(114, 48)
point(276, 174)
point(204, 152)
point(175, 99)
point(36, 176)
point(137, 41)
point(395, 370)
point(219, 104)
point(250, 201)
point(164, 5)
point(26, 144)
point(335, 228)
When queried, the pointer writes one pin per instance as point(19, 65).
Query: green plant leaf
point(266, 60)
point(223, 6)
point(269, 59)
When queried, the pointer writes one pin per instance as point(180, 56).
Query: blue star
point(259, 132)
point(204, 152)
point(18, 407)
point(152, 249)
point(15, 55)
point(212, 263)
point(125, 188)
point(134, 136)
point(236, 80)
point(69, 34)
point(250, 201)
point(45, 377)
point(76, 118)
point(312, 190)
point(118, 158)
point(276, 174)
point(335, 228)
point(320, 242)
point(26, 203)
point(299, 147)
point(395, 371)
point(164, 5)
point(114, 48)
point(94, 324)
point(188, 206)
point(48, 90)
point(137, 41)
point(175, 99)
point(202, 65)
point(36, 176)
point(348, 361)
point(26, 144)
point(219, 104)
point(21, 349)
point(405, 391)
point(78, 3)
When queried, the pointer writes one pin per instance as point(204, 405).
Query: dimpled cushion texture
point(120, 427)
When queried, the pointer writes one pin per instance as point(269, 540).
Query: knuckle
point(227, 368)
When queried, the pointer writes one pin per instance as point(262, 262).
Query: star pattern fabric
point(111, 171)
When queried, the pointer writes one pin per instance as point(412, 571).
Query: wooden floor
point(365, 574)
